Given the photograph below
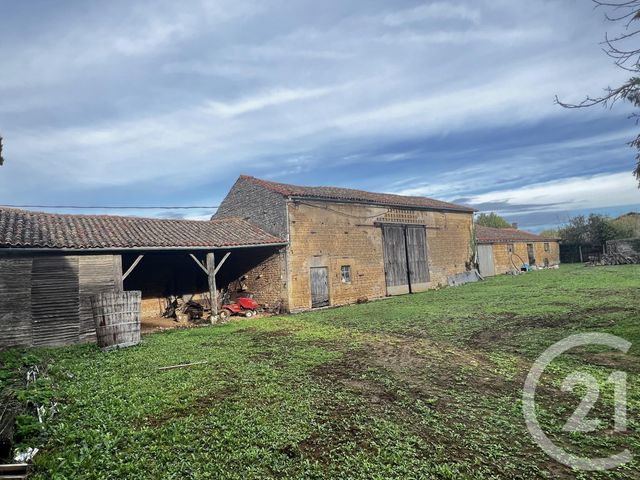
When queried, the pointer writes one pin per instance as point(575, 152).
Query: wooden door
point(319, 287)
point(530, 254)
point(395, 260)
point(417, 258)
point(486, 264)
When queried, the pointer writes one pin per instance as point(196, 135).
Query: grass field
point(420, 386)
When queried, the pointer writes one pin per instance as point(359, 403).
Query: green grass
point(419, 386)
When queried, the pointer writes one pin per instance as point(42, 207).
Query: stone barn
point(503, 250)
point(347, 245)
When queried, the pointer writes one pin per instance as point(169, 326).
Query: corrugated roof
point(506, 235)
point(348, 194)
point(26, 229)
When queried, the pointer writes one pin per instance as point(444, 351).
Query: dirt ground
point(156, 324)
point(153, 324)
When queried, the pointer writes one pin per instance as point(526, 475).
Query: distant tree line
point(593, 229)
point(597, 229)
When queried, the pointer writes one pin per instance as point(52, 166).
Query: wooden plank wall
point(15, 302)
point(97, 274)
point(44, 300)
point(55, 300)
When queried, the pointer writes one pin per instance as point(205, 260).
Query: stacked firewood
point(615, 258)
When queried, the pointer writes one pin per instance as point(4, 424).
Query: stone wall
point(266, 281)
point(262, 207)
point(502, 256)
point(327, 234)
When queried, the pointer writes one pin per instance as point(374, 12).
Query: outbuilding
point(346, 245)
point(504, 250)
point(50, 264)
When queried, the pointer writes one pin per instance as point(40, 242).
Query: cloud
point(579, 192)
point(111, 37)
point(264, 100)
point(431, 11)
point(442, 99)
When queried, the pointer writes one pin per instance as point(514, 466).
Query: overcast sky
point(166, 103)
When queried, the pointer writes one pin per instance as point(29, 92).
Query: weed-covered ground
point(419, 386)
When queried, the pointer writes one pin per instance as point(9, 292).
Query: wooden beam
point(213, 293)
point(199, 263)
point(224, 259)
point(133, 265)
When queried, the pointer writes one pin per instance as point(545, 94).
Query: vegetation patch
point(420, 386)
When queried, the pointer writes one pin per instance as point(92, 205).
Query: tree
point(621, 48)
point(492, 220)
point(575, 231)
point(628, 225)
point(592, 230)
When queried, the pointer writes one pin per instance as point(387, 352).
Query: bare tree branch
point(626, 57)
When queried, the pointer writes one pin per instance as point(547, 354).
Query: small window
point(510, 248)
point(345, 271)
point(546, 246)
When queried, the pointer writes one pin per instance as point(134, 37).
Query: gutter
point(133, 249)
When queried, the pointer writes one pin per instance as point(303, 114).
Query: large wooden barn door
point(417, 258)
point(395, 260)
point(55, 300)
point(405, 258)
point(319, 287)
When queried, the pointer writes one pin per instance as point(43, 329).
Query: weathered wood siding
point(319, 287)
point(395, 260)
point(44, 298)
point(55, 300)
point(417, 256)
point(15, 302)
point(98, 274)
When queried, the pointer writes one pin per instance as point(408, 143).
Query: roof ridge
point(104, 215)
point(291, 190)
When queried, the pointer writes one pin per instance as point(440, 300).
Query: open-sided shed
point(50, 264)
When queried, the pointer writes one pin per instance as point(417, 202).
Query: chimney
point(514, 225)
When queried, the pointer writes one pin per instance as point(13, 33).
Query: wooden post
point(117, 273)
point(580, 251)
point(213, 293)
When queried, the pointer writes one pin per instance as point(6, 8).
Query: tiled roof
point(348, 194)
point(506, 235)
point(26, 229)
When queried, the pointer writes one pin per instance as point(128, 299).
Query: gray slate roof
point(26, 229)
